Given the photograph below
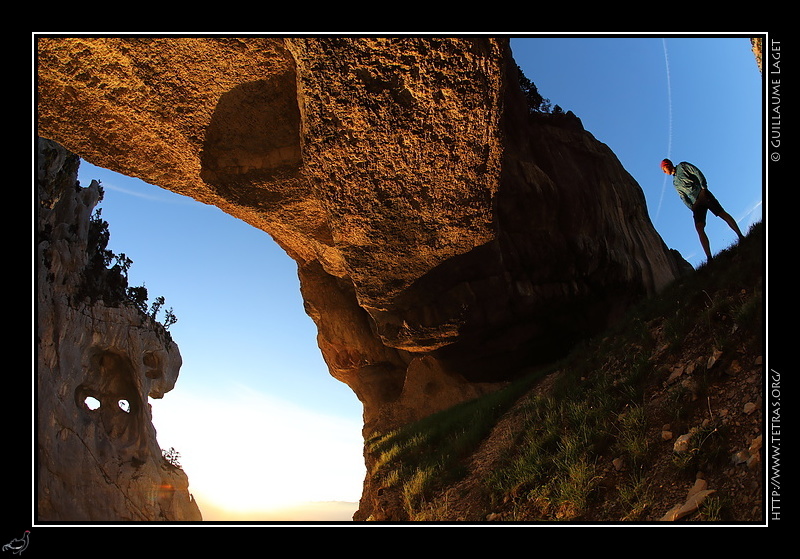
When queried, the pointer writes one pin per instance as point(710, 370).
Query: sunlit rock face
point(97, 455)
point(445, 238)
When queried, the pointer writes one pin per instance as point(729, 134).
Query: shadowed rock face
point(97, 364)
point(445, 238)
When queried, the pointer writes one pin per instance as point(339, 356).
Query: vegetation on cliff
point(618, 431)
point(105, 276)
point(536, 102)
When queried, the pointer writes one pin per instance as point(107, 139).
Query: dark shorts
point(705, 201)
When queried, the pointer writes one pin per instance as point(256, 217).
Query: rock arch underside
point(445, 238)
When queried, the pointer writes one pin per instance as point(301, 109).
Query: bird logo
point(18, 545)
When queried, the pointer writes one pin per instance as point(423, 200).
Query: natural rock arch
point(445, 238)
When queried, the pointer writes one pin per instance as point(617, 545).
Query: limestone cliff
point(445, 237)
point(97, 363)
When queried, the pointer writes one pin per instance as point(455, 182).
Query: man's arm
point(685, 199)
point(697, 175)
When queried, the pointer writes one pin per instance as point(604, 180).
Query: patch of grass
point(632, 435)
point(748, 312)
point(716, 508)
point(635, 495)
point(427, 454)
point(705, 447)
point(419, 485)
point(711, 509)
point(677, 328)
point(679, 402)
point(555, 463)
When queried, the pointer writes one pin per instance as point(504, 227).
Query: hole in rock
point(91, 403)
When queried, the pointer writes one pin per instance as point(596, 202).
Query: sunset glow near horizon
point(260, 426)
point(259, 423)
point(249, 454)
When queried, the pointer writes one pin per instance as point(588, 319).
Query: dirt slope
point(702, 394)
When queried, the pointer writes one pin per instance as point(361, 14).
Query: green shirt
point(688, 180)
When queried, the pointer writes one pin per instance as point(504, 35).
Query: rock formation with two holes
point(98, 362)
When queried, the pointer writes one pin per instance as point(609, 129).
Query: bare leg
point(731, 223)
point(701, 232)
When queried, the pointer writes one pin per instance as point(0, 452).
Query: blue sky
point(690, 99)
point(256, 417)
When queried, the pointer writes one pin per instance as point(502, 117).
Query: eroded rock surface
point(430, 215)
point(445, 237)
point(97, 454)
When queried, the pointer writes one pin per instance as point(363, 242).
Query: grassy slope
point(594, 437)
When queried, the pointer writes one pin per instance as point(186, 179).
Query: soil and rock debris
point(704, 405)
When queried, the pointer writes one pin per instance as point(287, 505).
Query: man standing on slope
point(691, 186)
